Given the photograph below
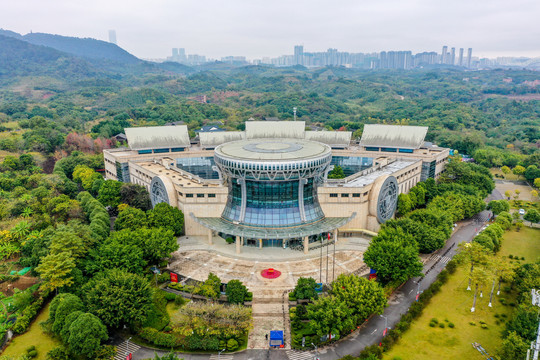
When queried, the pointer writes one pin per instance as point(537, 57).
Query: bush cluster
point(29, 313)
point(100, 221)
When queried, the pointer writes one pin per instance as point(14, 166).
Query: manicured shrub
point(170, 296)
point(472, 323)
point(451, 325)
point(441, 325)
point(435, 320)
point(484, 326)
point(232, 345)
point(432, 324)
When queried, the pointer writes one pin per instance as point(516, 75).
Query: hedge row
point(29, 313)
point(171, 341)
point(100, 221)
point(415, 310)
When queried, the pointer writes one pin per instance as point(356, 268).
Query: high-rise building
point(112, 36)
point(182, 55)
point(460, 59)
point(444, 54)
point(469, 57)
point(298, 55)
point(452, 59)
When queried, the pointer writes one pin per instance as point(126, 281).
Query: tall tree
point(362, 296)
point(118, 298)
point(393, 260)
point(56, 270)
point(86, 334)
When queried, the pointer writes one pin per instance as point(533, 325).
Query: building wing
point(275, 129)
point(157, 137)
point(393, 136)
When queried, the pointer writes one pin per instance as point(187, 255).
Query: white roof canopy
point(213, 139)
point(275, 129)
point(157, 137)
point(332, 138)
point(394, 136)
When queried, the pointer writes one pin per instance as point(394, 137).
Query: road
point(372, 331)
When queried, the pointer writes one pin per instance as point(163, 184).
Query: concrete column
point(238, 248)
point(335, 235)
point(242, 242)
point(210, 237)
point(306, 244)
point(260, 243)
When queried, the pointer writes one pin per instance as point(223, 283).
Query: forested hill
point(20, 58)
point(87, 48)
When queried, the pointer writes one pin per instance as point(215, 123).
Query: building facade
point(269, 185)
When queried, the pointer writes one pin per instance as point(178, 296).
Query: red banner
point(174, 277)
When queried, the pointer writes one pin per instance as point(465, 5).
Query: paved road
point(372, 331)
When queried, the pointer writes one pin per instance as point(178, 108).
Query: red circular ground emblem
point(270, 273)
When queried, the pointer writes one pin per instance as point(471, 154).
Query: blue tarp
point(276, 338)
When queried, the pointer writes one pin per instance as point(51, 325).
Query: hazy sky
point(257, 28)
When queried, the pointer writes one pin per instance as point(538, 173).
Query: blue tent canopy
point(276, 338)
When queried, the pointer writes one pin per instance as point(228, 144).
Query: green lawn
point(34, 336)
point(454, 302)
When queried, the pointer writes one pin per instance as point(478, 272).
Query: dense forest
point(53, 102)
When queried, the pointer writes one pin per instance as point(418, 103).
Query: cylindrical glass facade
point(271, 188)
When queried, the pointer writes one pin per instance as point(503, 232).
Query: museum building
point(269, 186)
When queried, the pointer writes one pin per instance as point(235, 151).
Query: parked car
point(521, 211)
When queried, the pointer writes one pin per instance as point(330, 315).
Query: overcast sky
point(257, 28)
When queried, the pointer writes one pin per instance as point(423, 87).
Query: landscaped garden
point(430, 335)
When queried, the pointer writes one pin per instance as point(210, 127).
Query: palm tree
point(21, 230)
point(27, 212)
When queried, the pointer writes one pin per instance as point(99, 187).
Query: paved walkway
point(371, 332)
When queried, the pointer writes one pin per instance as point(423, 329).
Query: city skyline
point(492, 28)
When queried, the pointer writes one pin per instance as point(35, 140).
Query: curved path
point(371, 332)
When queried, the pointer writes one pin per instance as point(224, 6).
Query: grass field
point(34, 336)
point(453, 303)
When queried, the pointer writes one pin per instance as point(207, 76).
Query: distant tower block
point(112, 36)
point(444, 54)
point(452, 56)
point(469, 57)
point(460, 59)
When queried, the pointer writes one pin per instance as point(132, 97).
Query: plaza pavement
point(371, 332)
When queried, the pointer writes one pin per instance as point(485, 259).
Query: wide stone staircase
point(270, 312)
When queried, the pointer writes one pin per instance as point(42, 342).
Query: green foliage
point(393, 260)
point(86, 334)
point(336, 173)
point(362, 296)
point(514, 347)
point(236, 292)
point(115, 255)
point(66, 304)
point(305, 289)
point(498, 206)
point(168, 217)
point(329, 316)
point(130, 218)
point(155, 243)
point(136, 196)
point(532, 215)
point(109, 193)
point(118, 298)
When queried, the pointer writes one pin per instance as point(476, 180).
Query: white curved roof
point(213, 139)
point(157, 137)
point(394, 136)
point(275, 129)
point(332, 138)
point(272, 149)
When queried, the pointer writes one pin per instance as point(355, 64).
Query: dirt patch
point(22, 283)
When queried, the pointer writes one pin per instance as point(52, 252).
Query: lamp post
point(219, 354)
point(418, 289)
point(385, 324)
point(127, 347)
point(316, 352)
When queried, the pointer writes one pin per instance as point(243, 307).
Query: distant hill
point(20, 58)
point(98, 54)
point(87, 48)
